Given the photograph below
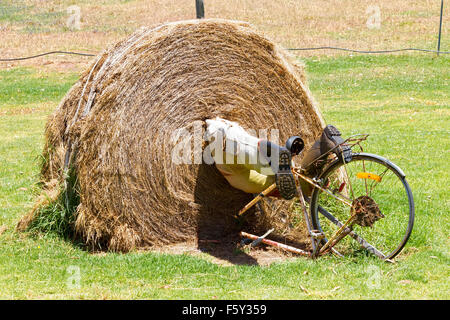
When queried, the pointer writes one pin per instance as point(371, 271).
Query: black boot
point(329, 140)
point(280, 160)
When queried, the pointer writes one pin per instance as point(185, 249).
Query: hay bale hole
point(112, 133)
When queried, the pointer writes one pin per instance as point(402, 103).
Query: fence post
point(200, 8)
point(440, 28)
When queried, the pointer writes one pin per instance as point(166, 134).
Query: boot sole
point(284, 178)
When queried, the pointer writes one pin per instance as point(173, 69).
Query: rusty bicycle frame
point(316, 236)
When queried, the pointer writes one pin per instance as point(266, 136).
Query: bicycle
point(349, 203)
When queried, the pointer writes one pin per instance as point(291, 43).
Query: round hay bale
point(114, 130)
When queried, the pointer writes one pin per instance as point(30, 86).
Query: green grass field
point(402, 101)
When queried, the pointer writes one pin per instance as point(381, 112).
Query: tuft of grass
point(58, 217)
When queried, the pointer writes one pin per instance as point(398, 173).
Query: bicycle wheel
point(375, 193)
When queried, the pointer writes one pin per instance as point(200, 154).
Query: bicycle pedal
point(316, 234)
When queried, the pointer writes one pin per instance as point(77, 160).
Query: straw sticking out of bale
point(114, 130)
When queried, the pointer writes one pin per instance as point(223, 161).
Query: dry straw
point(115, 125)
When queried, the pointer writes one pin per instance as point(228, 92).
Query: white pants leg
point(237, 157)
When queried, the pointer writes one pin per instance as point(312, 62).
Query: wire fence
point(48, 53)
point(200, 11)
point(289, 49)
point(368, 51)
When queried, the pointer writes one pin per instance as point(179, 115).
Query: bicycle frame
point(317, 237)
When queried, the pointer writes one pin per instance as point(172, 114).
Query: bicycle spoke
point(349, 182)
point(365, 181)
point(376, 183)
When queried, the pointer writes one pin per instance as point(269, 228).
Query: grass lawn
point(402, 101)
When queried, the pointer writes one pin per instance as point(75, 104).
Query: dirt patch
point(228, 251)
point(3, 229)
point(34, 109)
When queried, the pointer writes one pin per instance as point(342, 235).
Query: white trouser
point(237, 156)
